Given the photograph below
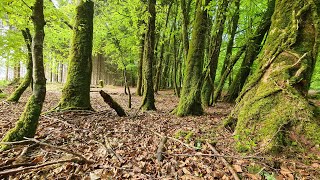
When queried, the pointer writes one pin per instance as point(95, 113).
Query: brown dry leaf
point(38, 159)
point(253, 176)
point(315, 165)
point(189, 177)
point(186, 171)
point(237, 168)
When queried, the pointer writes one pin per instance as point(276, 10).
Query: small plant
point(268, 176)
point(254, 168)
point(187, 135)
point(3, 95)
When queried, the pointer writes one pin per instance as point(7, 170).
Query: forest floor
point(126, 147)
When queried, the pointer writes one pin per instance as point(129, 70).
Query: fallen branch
point(113, 104)
point(61, 149)
point(234, 174)
point(161, 149)
point(108, 146)
point(217, 155)
point(13, 171)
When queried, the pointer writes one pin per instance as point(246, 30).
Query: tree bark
point(28, 122)
point(140, 65)
point(190, 101)
point(207, 88)
point(148, 57)
point(273, 110)
point(185, 8)
point(76, 92)
point(252, 51)
point(113, 104)
point(15, 96)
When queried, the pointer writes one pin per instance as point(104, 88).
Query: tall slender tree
point(76, 91)
point(190, 101)
point(148, 57)
point(15, 96)
point(207, 89)
point(273, 110)
point(28, 122)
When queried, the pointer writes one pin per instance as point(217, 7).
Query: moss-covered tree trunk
point(252, 51)
point(15, 96)
point(28, 122)
point(76, 91)
point(190, 100)
point(139, 82)
point(148, 57)
point(273, 110)
point(207, 88)
point(185, 8)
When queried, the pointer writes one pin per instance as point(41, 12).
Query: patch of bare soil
point(126, 147)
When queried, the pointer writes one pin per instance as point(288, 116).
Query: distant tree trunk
point(185, 8)
point(148, 57)
point(226, 73)
point(159, 66)
point(207, 88)
point(15, 96)
point(140, 64)
point(28, 122)
point(61, 72)
point(7, 71)
point(273, 110)
point(126, 85)
point(190, 101)
point(233, 28)
point(252, 51)
point(76, 91)
point(16, 72)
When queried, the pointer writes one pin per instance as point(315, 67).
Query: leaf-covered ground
point(126, 147)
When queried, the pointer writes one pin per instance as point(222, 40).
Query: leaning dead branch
point(113, 104)
point(161, 149)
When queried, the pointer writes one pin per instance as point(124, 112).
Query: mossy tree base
point(273, 111)
point(26, 125)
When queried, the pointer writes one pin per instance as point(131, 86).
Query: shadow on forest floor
point(125, 147)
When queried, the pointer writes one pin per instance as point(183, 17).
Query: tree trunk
point(233, 26)
point(190, 101)
point(159, 66)
point(28, 122)
point(273, 110)
point(139, 82)
point(148, 57)
point(252, 51)
point(185, 8)
point(15, 96)
point(207, 88)
point(76, 92)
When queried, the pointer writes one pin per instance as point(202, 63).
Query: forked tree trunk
point(28, 122)
point(76, 92)
point(148, 57)
point(273, 110)
point(190, 100)
point(15, 96)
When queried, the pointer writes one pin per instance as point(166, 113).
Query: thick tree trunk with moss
point(207, 88)
point(185, 9)
point(252, 51)
point(139, 82)
point(76, 91)
point(273, 110)
point(15, 96)
point(190, 100)
point(28, 122)
point(148, 57)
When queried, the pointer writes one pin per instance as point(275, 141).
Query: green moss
point(27, 124)
point(3, 95)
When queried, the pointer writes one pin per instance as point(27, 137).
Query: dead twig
point(217, 155)
point(234, 174)
point(161, 149)
point(61, 149)
point(108, 146)
point(13, 171)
